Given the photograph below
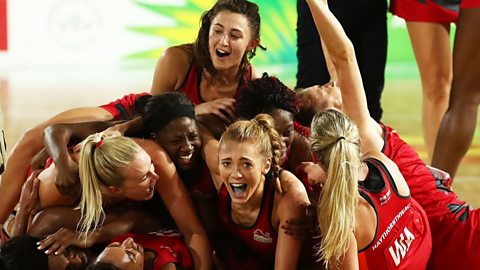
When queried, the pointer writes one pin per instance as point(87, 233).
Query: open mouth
point(187, 157)
point(238, 188)
point(222, 53)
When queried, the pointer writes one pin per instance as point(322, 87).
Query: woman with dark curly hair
point(269, 95)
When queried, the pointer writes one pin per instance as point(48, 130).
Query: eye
point(175, 142)
point(225, 164)
point(247, 165)
point(130, 255)
point(193, 136)
point(288, 133)
point(234, 37)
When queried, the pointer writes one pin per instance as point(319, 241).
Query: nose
point(187, 146)
point(284, 142)
point(128, 243)
point(237, 174)
point(224, 40)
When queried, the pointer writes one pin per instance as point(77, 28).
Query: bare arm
point(57, 138)
point(118, 221)
point(290, 206)
point(28, 146)
point(342, 54)
point(28, 204)
point(179, 204)
point(350, 260)
point(210, 147)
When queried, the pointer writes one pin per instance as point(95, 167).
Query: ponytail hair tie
point(99, 143)
point(340, 138)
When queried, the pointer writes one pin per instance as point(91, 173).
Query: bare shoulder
point(155, 151)
point(171, 68)
point(181, 54)
point(256, 74)
point(294, 190)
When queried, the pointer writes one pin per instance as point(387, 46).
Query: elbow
point(344, 55)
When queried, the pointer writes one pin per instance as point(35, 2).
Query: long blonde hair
point(261, 132)
point(102, 161)
point(336, 144)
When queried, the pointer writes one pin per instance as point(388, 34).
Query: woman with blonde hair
point(365, 205)
point(117, 171)
point(255, 195)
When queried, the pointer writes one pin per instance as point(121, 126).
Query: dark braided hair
point(265, 94)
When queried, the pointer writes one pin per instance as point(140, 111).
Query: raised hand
point(59, 241)
point(223, 108)
point(304, 227)
point(29, 202)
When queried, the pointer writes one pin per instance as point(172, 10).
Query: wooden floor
point(30, 97)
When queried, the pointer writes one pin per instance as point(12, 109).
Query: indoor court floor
point(30, 97)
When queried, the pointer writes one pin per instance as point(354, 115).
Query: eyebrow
point(233, 29)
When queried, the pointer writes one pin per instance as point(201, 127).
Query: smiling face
point(181, 140)
point(242, 170)
point(140, 178)
point(127, 255)
point(229, 38)
point(72, 258)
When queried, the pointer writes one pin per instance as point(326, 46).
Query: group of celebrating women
point(212, 170)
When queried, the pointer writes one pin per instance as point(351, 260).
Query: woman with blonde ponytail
point(112, 169)
point(255, 196)
point(455, 226)
point(387, 227)
point(365, 205)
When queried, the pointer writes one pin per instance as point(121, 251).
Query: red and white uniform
point(261, 237)
point(123, 108)
point(167, 246)
point(191, 85)
point(402, 239)
point(454, 225)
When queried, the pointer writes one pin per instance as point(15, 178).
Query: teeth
point(187, 157)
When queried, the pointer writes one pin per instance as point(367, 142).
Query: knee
point(29, 143)
point(437, 88)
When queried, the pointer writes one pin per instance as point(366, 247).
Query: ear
point(114, 190)
point(253, 44)
point(267, 166)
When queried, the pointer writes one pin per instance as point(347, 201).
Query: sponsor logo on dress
point(262, 237)
point(401, 245)
point(384, 199)
point(390, 227)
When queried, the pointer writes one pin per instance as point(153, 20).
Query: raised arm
point(28, 146)
point(179, 204)
point(342, 54)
